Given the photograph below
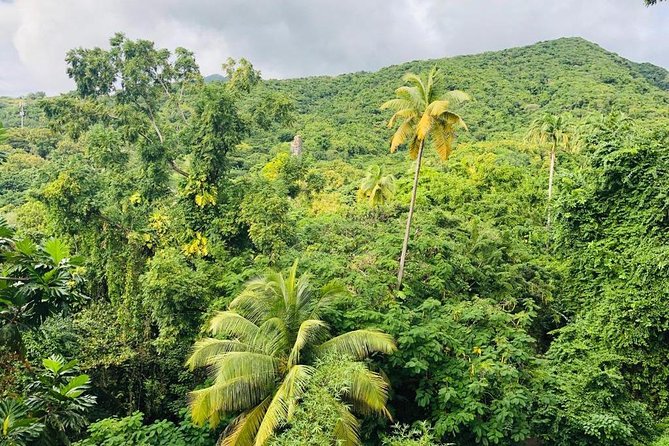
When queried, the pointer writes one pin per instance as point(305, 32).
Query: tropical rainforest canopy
point(178, 267)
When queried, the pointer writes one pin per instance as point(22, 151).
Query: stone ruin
point(296, 146)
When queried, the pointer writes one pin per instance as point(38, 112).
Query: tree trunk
point(550, 185)
point(405, 245)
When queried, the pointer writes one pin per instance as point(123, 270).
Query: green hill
point(509, 87)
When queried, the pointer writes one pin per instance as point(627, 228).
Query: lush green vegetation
point(150, 292)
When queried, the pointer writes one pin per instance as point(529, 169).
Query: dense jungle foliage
point(178, 268)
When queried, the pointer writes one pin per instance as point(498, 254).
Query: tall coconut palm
point(423, 112)
point(261, 356)
point(3, 138)
point(555, 131)
point(376, 187)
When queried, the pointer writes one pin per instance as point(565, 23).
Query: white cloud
point(290, 38)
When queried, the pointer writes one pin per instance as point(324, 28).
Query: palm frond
point(229, 366)
point(407, 114)
point(292, 387)
point(368, 391)
point(240, 393)
point(256, 299)
point(312, 331)
point(442, 139)
point(418, 86)
point(303, 293)
point(242, 431)
point(398, 104)
point(412, 94)
point(456, 97)
point(328, 295)
point(347, 428)
point(272, 337)
point(424, 125)
point(232, 324)
point(358, 344)
point(414, 147)
point(402, 134)
point(205, 349)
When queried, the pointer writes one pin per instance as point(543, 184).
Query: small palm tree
point(376, 187)
point(554, 130)
point(423, 111)
point(262, 357)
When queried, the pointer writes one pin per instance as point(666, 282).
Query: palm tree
point(3, 138)
point(555, 131)
point(422, 110)
point(261, 358)
point(376, 187)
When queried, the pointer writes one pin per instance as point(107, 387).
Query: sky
point(295, 38)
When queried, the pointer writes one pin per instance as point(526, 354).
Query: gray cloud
point(289, 38)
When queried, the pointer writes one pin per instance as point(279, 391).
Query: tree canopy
point(151, 218)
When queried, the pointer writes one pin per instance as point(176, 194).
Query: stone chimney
point(296, 146)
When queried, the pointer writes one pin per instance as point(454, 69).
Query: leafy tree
point(262, 362)
point(139, 78)
point(587, 400)
point(469, 367)
point(240, 75)
point(423, 111)
point(554, 130)
point(376, 187)
point(266, 213)
point(59, 398)
point(35, 281)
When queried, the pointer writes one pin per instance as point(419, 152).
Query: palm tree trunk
point(405, 245)
point(550, 185)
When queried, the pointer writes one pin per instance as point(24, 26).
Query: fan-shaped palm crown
point(378, 188)
point(261, 354)
point(554, 130)
point(423, 110)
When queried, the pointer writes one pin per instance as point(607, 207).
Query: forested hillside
point(177, 267)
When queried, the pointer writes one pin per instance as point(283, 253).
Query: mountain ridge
point(509, 87)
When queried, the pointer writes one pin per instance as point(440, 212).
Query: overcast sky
point(290, 38)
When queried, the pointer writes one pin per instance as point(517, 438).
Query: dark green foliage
point(471, 364)
point(35, 281)
point(588, 399)
point(18, 428)
point(612, 238)
point(508, 88)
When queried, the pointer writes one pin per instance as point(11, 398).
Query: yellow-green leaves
point(262, 355)
point(424, 113)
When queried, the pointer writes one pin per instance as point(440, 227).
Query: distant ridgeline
point(568, 74)
point(341, 113)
